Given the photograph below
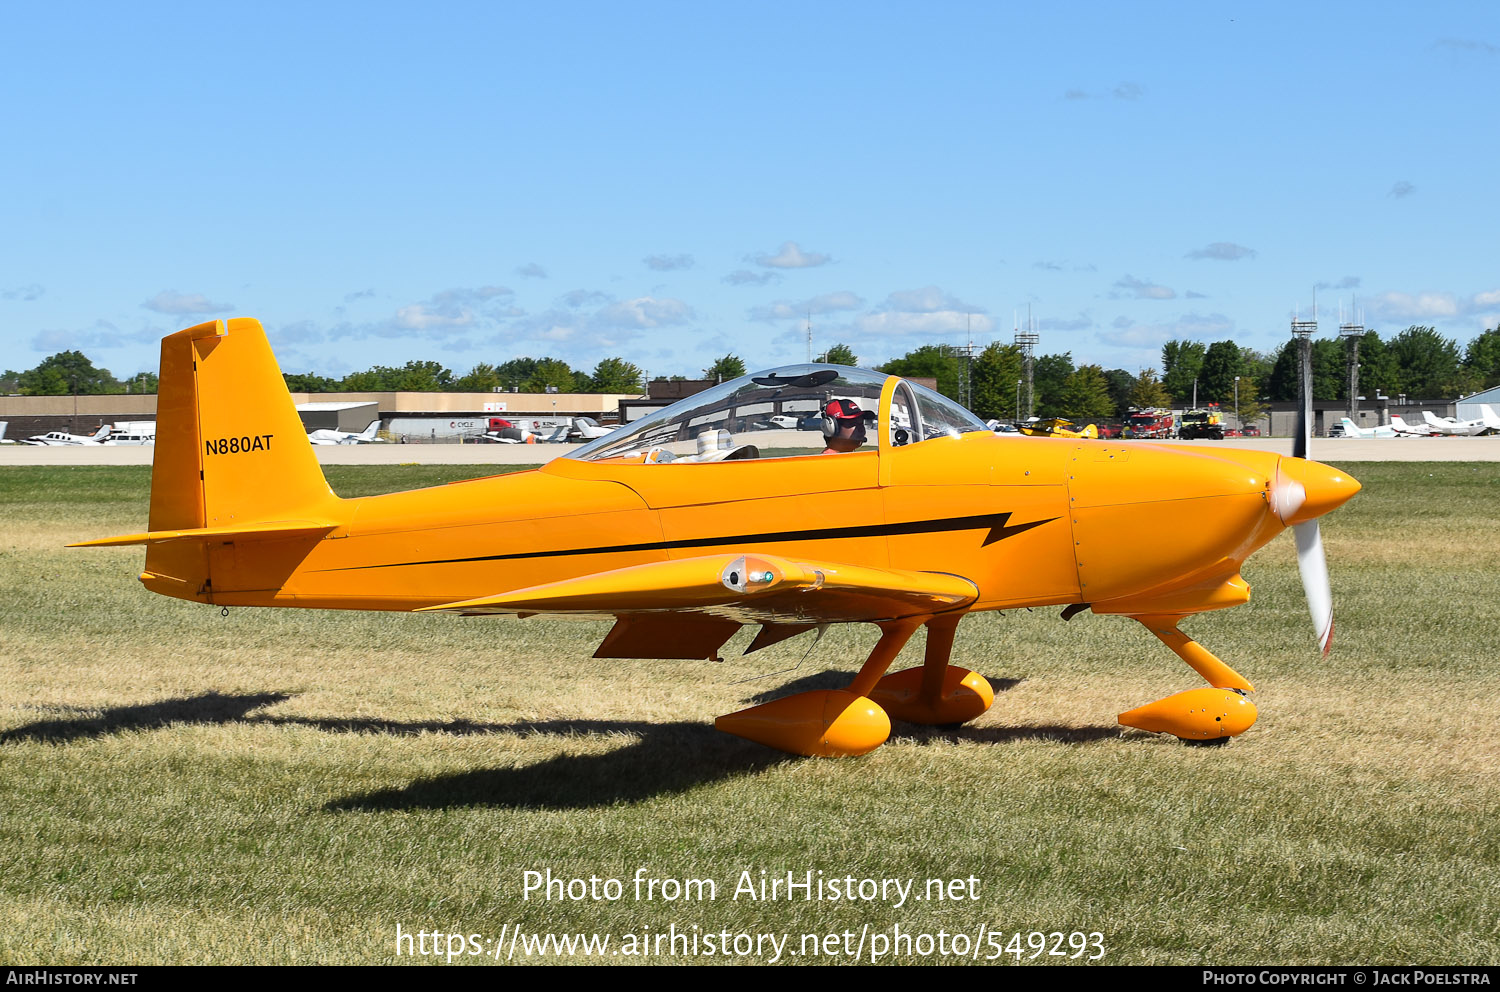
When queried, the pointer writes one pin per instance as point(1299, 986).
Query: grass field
point(281, 786)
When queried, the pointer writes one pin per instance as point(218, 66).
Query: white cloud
point(1082, 322)
point(1128, 91)
point(928, 299)
point(1348, 282)
point(644, 312)
point(1142, 289)
point(667, 263)
point(172, 302)
point(788, 310)
point(531, 270)
point(585, 298)
point(942, 323)
point(1222, 251)
point(744, 277)
point(1138, 345)
point(24, 293)
point(791, 256)
point(1402, 189)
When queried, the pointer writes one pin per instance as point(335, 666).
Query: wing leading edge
point(700, 602)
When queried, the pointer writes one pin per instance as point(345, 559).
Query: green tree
point(726, 368)
point(1250, 408)
point(1482, 359)
point(515, 373)
point(1085, 395)
point(65, 373)
point(1282, 383)
point(931, 361)
point(1049, 376)
point(615, 375)
point(1429, 362)
point(142, 382)
point(1378, 369)
point(1221, 363)
point(839, 354)
point(992, 381)
point(553, 372)
point(1330, 370)
point(1147, 393)
point(414, 376)
point(482, 378)
point(309, 382)
point(1181, 362)
point(1120, 385)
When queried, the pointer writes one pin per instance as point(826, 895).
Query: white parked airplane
point(1449, 427)
point(1351, 430)
point(1403, 429)
point(131, 432)
point(63, 438)
point(3, 440)
point(367, 436)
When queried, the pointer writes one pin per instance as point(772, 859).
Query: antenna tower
point(1302, 331)
point(1351, 333)
point(1027, 341)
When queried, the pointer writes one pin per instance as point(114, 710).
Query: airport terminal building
point(416, 416)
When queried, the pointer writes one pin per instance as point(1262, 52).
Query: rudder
point(230, 448)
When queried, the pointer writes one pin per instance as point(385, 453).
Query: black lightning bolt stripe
point(996, 523)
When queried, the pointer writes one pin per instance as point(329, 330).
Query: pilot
point(844, 426)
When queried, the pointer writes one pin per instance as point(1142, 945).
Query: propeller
point(1297, 510)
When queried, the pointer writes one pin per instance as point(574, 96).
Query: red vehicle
point(1149, 423)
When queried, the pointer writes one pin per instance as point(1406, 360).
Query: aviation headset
point(837, 411)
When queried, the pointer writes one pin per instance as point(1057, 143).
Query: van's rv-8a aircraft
point(701, 518)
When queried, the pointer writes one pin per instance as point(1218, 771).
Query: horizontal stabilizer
point(268, 530)
point(747, 588)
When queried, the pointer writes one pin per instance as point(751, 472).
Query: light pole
point(1018, 401)
point(1239, 422)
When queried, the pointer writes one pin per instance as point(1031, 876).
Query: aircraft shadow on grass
point(659, 759)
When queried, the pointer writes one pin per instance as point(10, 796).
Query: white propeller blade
point(1314, 569)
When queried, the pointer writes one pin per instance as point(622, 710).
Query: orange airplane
point(904, 512)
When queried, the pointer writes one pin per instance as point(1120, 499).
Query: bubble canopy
point(779, 413)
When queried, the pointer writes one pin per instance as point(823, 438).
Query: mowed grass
point(283, 786)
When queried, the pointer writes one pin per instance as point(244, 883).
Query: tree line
point(1418, 362)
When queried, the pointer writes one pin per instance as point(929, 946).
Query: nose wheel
point(1213, 713)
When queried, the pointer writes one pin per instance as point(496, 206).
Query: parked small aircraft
point(1451, 427)
point(3, 439)
point(1056, 427)
point(931, 517)
point(1353, 430)
point(325, 435)
point(63, 438)
point(1403, 429)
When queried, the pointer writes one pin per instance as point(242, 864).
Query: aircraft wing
point(689, 607)
point(748, 588)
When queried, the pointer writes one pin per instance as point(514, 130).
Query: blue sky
point(668, 182)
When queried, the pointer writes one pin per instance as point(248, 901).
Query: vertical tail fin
point(230, 448)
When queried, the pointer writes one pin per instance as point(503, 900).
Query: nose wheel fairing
point(1217, 711)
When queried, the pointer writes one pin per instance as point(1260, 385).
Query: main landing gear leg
point(1204, 714)
point(829, 722)
point(937, 693)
